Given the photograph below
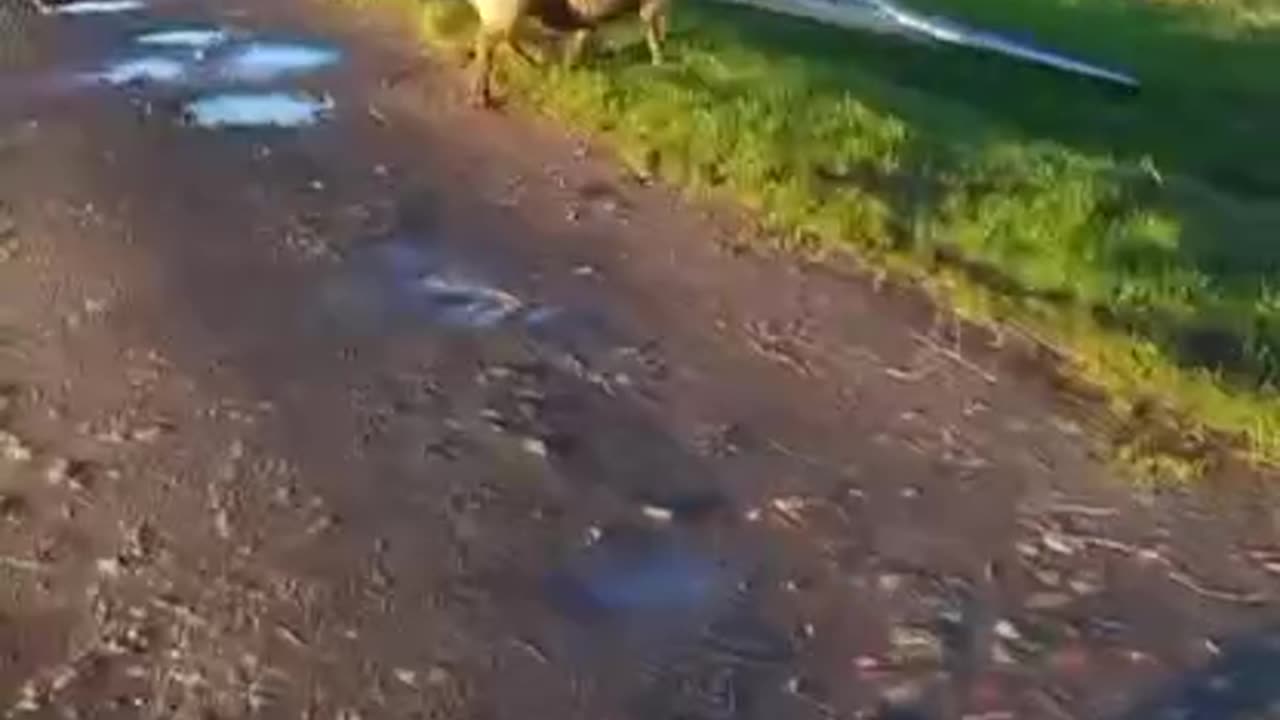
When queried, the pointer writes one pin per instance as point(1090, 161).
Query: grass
point(1139, 234)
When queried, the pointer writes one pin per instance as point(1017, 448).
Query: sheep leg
point(487, 41)
point(520, 50)
point(654, 15)
point(577, 47)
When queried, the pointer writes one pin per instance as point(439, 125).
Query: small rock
point(63, 677)
point(790, 507)
point(534, 447)
point(58, 472)
point(146, 434)
point(12, 448)
point(222, 523)
point(867, 663)
point(109, 567)
point(657, 514)
point(890, 583)
point(323, 524)
point(1059, 544)
point(1085, 586)
point(406, 676)
point(30, 699)
point(1001, 654)
point(914, 644)
point(1008, 631)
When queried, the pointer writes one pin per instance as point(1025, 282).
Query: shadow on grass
point(1200, 287)
point(1207, 108)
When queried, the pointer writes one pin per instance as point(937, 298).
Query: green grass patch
point(1139, 234)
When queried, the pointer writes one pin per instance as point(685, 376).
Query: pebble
point(890, 583)
point(658, 514)
point(1001, 654)
point(58, 472)
point(1008, 631)
point(1059, 544)
point(109, 567)
point(914, 644)
point(30, 699)
point(1085, 586)
point(12, 447)
point(534, 447)
point(408, 677)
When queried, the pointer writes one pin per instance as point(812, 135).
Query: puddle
point(265, 61)
point(187, 50)
point(398, 281)
point(155, 69)
point(98, 7)
point(258, 110)
point(463, 303)
point(197, 39)
point(636, 598)
point(634, 574)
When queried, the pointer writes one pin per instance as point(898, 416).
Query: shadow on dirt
point(1241, 683)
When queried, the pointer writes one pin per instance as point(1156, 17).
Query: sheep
point(499, 19)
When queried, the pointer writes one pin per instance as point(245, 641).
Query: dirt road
point(398, 409)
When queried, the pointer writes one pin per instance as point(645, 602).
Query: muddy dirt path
point(325, 396)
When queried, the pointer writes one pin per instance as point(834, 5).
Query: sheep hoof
point(481, 100)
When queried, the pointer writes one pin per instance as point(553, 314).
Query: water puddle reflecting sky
point(98, 7)
point(397, 281)
point(154, 69)
point(267, 61)
point(213, 56)
point(258, 110)
point(185, 38)
point(634, 574)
